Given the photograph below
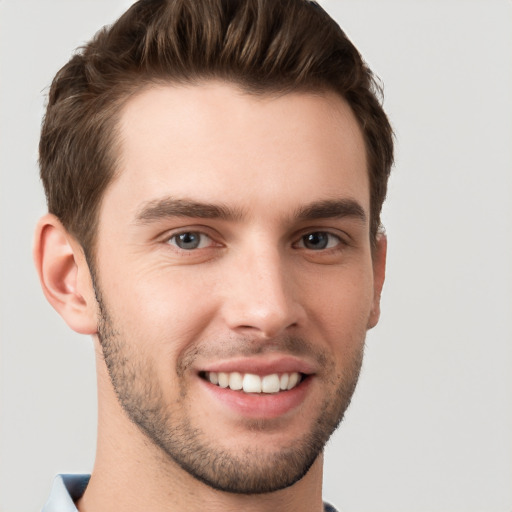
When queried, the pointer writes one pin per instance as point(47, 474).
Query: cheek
point(339, 316)
point(342, 301)
point(159, 311)
point(162, 292)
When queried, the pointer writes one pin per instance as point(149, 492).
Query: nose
point(261, 298)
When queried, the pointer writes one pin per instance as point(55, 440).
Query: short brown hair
point(263, 46)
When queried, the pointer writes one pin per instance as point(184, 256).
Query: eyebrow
point(332, 209)
point(171, 207)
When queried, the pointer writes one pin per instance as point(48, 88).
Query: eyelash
point(182, 234)
point(301, 243)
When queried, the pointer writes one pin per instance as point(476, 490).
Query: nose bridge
point(261, 297)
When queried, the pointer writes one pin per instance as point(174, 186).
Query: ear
point(379, 274)
point(64, 275)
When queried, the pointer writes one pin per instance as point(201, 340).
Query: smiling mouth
point(251, 383)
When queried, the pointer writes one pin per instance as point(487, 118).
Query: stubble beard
point(253, 471)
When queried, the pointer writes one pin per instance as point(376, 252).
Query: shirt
point(69, 488)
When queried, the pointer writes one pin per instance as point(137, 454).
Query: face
point(235, 278)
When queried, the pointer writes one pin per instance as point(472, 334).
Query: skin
point(256, 291)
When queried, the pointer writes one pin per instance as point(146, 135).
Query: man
point(214, 172)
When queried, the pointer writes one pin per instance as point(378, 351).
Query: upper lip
point(263, 365)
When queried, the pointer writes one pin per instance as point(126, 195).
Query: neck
point(132, 474)
point(133, 487)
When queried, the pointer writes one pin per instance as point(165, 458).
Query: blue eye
point(190, 240)
point(319, 240)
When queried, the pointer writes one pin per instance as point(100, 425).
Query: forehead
point(213, 142)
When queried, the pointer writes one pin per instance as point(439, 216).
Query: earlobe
point(64, 275)
point(379, 274)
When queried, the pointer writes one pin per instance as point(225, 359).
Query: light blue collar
point(65, 491)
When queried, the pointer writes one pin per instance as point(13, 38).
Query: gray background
point(430, 428)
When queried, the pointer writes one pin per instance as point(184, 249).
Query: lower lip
point(260, 405)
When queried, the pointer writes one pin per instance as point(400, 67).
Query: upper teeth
point(251, 383)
